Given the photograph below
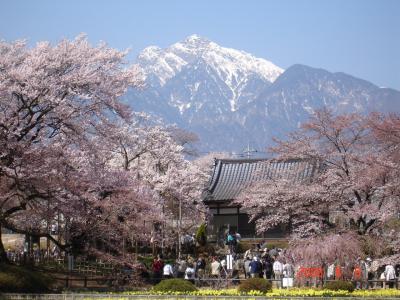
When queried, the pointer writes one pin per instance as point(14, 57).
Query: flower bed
point(393, 293)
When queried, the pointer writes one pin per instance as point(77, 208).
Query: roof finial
point(248, 151)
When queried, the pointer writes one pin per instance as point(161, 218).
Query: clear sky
point(359, 37)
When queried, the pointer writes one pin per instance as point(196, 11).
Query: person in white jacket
point(278, 271)
point(390, 275)
point(190, 273)
point(168, 271)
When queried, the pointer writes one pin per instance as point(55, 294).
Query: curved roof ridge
point(231, 176)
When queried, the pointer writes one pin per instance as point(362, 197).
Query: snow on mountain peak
point(228, 63)
point(227, 96)
point(195, 39)
point(163, 64)
point(233, 68)
point(224, 59)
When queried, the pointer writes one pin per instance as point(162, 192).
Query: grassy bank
point(15, 279)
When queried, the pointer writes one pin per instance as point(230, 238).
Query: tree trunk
point(3, 254)
point(363, 226)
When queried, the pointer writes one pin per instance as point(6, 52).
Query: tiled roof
point(231, 176)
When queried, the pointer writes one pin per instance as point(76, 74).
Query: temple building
point(230, 177)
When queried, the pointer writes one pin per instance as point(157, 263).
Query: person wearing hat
point(255, 268)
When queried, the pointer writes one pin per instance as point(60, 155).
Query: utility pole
point(162, 227)
point(179, 228)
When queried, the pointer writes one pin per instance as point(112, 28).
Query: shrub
point(243, 246)
point(201, 235)
point(278, 244)
point(15, 279)
point(206, 250)
point(255, 284)
point(240, 248)
point(339, 285)
point(246, 245)
point(175, 285)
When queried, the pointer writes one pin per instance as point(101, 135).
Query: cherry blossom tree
point(186, 139)
point(354, 179)
point(156, 157)
point(207, 162)
point(284, 202)
point(53, 101)
point(386, 131)
point(340, 248)
point(70, 150)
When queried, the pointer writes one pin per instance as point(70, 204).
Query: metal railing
point(119, 282)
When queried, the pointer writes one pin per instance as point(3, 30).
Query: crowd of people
point(257, 262)
point(19, 255)
point(272, 265)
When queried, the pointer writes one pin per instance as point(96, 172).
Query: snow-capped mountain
point(230, 98)
point(232, 69)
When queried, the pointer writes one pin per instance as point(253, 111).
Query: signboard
point(229, 262)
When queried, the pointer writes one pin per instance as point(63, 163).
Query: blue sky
point(359, 37)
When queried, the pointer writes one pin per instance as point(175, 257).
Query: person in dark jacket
point(157, 268)
point(267, 266)
point(200, 267)
point(255, 268)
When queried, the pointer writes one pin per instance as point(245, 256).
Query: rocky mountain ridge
point(231, 98)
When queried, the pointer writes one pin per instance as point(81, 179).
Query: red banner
point(310, 273)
